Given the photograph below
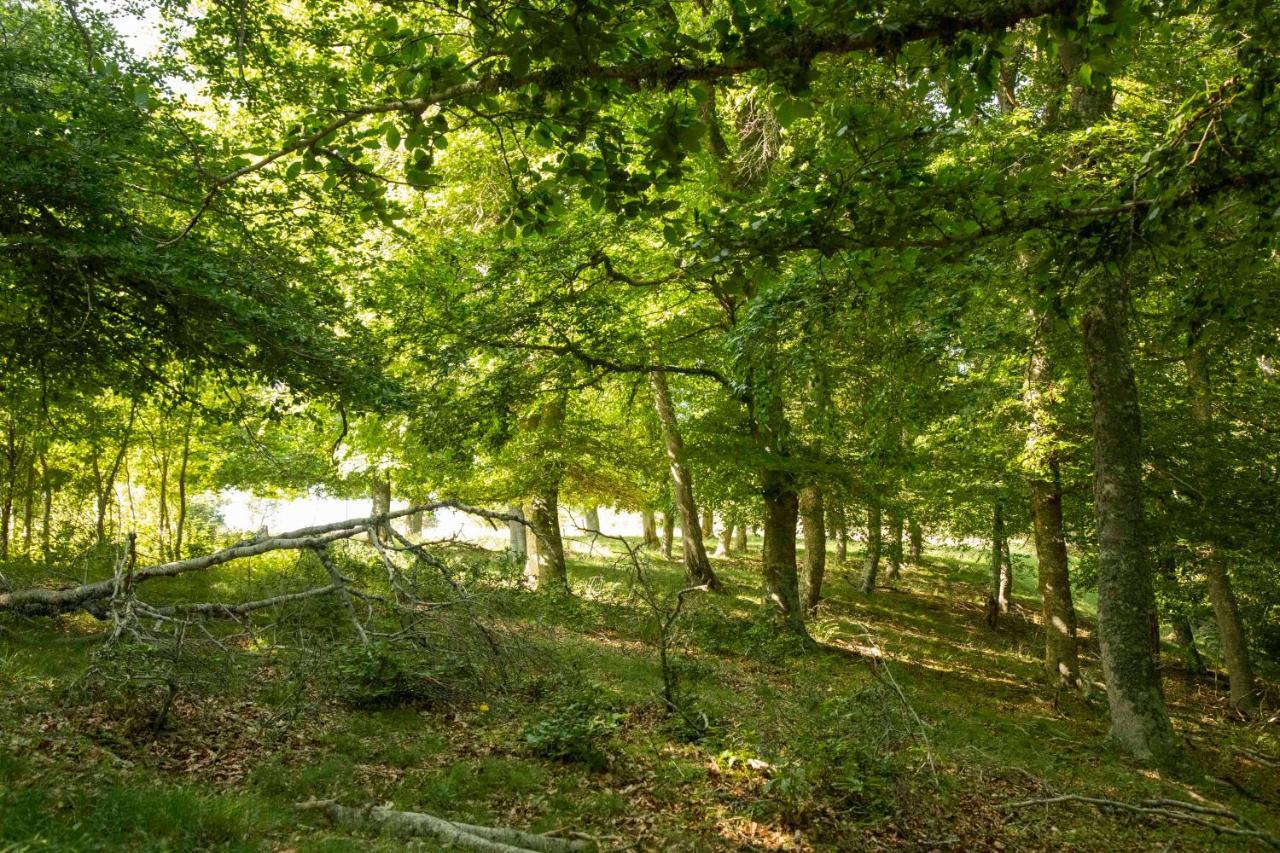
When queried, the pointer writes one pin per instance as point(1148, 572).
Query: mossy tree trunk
point(1226, 611)
point(813, 516)
point(872, 565)
point(1126, 599)
point(895, 545)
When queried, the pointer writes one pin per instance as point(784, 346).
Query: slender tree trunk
point(668, 533)
point(1006, 575)
point(708, 522)
point(28, 503)
point(815, 545)
point(544, 565)
point(46, 520)
point(1186, 640)
point(162, 515)
point(697, 566)
point(895, 545)
point(180, 529)
point(1126, 599)
point(740, 539)
point(872, 567)
point(592, 519)
point(994, 605)
point(916, 536)
point(781, 512)
point(517, 535)
point(1226, 612)
point(413, 525)
point(1061, 651)
point(724, 547)
point(1061, 655)
point(106, 484)
point(837, 523)
point(11, 476)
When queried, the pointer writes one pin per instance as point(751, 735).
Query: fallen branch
point(38, 601)
point(1171, 809)
point(484, 839)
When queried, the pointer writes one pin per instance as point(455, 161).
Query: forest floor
point(909, 725)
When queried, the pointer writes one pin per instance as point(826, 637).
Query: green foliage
point(386, 674)
point(579, 727)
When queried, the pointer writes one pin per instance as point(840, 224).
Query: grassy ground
point(909, 724)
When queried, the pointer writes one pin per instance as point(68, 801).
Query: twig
point(1171, 809)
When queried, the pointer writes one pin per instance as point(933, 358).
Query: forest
point(592, 425)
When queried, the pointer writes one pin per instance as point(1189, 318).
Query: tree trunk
point(895, 545)
point(872, 567)
point(162, 516)
point(592, 519)
point(995, 604)
point(781, 584)
point(724, 546)
point(28, 503)
point(708, 522)
point(740, 539)
point(1186, 640)
point(11, 476)
point(1061, 655)
point(544, 564)
point(815, 545)
point(668, 532)
point(836, 522)
point(517, 535)
point(1226, 612)
point(1061, 652)
point(916, 536)
point(413, 525)
point(46, 520)
point(1126, 599)
point(697, 566)
point(649, 525)
point(180, 526)
point(380, 502)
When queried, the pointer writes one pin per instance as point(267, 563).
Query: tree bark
point(895, 545)
point(11, 476)
point(815, 545)
point(544, 564)
point(46, 520)
point(697, 566)
point(1226, 612)
point(740, 539)
point(1126, 599)
point(380, 501)
point(708, 522)
point(668, 532)
point(649, 526)
point(517, 533)
point(995, 600)
point(916, 536)
point(837, 523)
point(180, 527)
point(872, 567)
point(1186, 640)
point(1061, 648)
point(592, 519)
point(781, 512)
point(1061, 656)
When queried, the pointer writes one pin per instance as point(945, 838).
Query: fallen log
point(483, 839)
point(39, 601)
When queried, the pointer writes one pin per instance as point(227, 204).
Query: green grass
point(810, 743)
